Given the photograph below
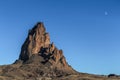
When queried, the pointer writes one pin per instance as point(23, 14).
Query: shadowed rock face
point(38, 43)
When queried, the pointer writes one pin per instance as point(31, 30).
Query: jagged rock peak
point(38, 27)
point(39, 52)
point(37, 49)
point(37, 38)
point(38, 42)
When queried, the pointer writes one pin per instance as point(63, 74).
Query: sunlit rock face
point(38, 43)
point(37, 38)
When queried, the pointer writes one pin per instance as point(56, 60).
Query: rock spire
point(37, 38)
point(38, 43)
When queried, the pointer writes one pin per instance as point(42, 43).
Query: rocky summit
point(40, 59)
point(38, 46)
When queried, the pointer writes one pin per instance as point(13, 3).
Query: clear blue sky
point(88, 31)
